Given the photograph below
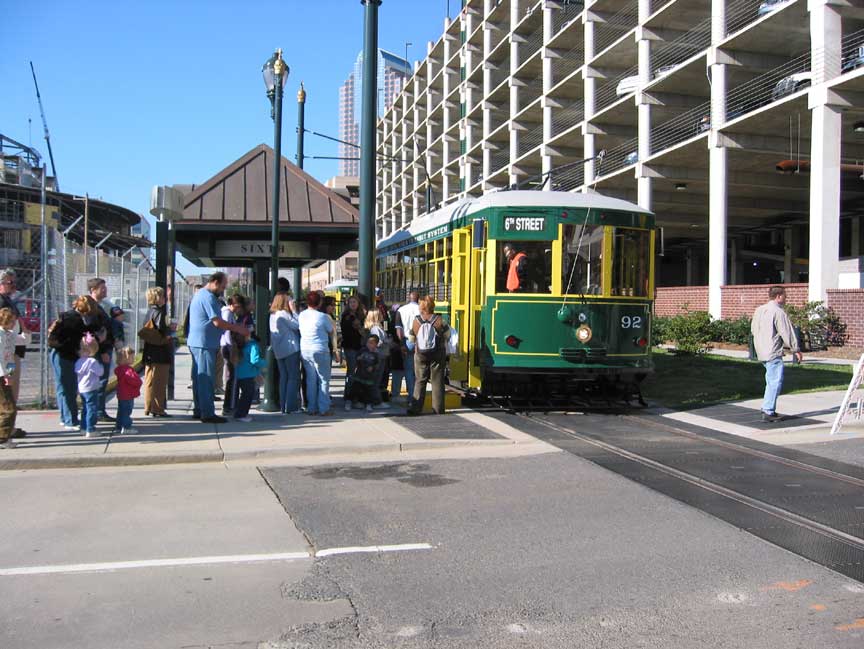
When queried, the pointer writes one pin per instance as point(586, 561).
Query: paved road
point(543, 551)
point(550, 551)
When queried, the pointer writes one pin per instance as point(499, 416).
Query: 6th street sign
point(255, 249)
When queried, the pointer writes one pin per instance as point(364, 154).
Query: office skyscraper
point(393, 72)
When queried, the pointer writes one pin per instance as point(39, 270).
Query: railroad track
point(809, 505)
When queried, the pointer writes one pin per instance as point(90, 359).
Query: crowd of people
point(383, 348)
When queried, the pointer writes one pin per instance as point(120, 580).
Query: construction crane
point(45, 127)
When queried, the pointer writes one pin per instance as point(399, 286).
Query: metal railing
point(621, 156)
point(567, 179)
point(677, 51)
point(682, 127)
point(498, 75)
point(614, 28)
point(530, 140)
point(567, 63)
point(570, 11)
point(768, 87)
point(565, 118)
point(499, 159)
point(607, 94)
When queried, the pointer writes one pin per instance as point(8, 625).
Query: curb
point(106, 460)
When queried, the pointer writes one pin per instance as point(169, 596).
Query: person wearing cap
point(118, 315)
point(8, 288)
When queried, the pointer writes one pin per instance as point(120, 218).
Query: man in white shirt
point(772, 331)
point(406, 315)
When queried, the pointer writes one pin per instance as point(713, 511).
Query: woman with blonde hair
point(156, 355)
point(430, 334)
point(285, 341)
point(64, 340)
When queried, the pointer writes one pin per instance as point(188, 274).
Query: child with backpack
point(430, 334)
point(363, 388)
point(248, 373)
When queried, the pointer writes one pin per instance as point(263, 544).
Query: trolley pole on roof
point(368, 120)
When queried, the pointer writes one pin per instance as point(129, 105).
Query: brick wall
point(672, 300)
point(848, 303)
point(743, 299)
point(737, 300)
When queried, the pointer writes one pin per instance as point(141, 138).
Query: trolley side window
point(532, 267)
point(583, 260)
point(630, 262)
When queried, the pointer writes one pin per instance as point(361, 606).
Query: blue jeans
point(289, 382)
point(89, 410)
point(245, 391)
point(66, 382)
point(409, 375)
point(203, 373)
point(103, 382)
point(773, 385)
point(317, 367)
point(124, 414)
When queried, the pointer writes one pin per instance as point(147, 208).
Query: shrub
point(734, 332)
point(691, 331)
point(660, 330)
point(817, 320)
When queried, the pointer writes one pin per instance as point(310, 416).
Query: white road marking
point(371, 549)
point(203, 561)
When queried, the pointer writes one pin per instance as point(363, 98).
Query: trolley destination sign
point(524, 226)
point(261, 249)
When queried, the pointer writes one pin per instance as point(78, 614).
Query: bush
point(660, 330)
point(818, 321)
point(691, 331)
point(734, 332)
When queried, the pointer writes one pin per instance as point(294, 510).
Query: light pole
point(368, 121)
point(297, 278)
point(275, 74)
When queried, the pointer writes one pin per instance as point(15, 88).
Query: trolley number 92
point(631, 322)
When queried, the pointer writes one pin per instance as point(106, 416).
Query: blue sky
point(158, 92)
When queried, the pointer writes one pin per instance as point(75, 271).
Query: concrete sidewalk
point(182, 439)
point(807, 419)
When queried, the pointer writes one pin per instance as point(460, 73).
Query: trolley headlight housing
point(584, 334)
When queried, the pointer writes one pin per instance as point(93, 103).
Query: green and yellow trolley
point(582, 314)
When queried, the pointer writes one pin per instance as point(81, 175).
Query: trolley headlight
point(584, 334)
point(640, 342)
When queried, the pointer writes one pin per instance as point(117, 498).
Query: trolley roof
point(437, 223)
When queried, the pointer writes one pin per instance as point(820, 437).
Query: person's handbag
point(151, 335)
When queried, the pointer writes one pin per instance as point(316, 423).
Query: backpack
point(427, 335)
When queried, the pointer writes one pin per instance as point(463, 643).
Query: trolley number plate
point(631, 322)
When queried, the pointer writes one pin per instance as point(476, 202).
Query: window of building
point(531, 268)
point(583, 260)
point(630, 255)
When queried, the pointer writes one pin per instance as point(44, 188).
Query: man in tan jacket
point(772, 331)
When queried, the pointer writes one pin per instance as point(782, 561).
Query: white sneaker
point(347, 406)
point(92, 434)
point(368, 407)
point(71, 427)
point(245, 419)
point(129, 431)
point(383, 406)
point(9, 443)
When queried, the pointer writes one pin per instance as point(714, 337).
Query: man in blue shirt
point(205, 323)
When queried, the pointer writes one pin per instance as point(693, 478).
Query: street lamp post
point(275, 74)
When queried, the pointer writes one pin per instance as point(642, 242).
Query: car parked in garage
point(791, 84)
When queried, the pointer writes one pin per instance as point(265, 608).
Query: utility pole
point(86, 226)
point(368, 122)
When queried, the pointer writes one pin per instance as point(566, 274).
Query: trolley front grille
point(583, 354)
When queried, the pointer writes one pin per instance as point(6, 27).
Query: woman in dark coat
point(157, 358)
point(64, 339)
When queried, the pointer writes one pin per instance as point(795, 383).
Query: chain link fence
point(66, 268)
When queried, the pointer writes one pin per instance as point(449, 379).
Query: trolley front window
point(631, 255)
point(583, 260)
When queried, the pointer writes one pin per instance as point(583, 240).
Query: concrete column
point(824, 200)
point(488, 36)
point(825, 37)
point(545, 159)
point(590, 88)
point(514, 90)
point(643, 45)
point(788, 246)
point(717, 222)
